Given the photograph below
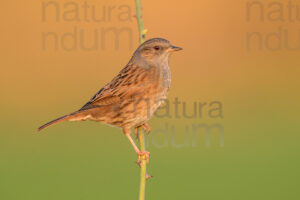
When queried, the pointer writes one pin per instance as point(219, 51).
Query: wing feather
point(128, 83)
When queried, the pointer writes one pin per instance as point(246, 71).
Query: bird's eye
point(156, 48)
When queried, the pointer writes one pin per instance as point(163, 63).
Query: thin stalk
point(139, 17)
point(143, 166)
point(142, 38)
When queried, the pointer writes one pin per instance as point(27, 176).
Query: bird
point(130, 99)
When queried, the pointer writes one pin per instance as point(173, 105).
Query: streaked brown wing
point(130, 82)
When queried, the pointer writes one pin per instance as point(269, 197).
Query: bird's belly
point(144, 108)
point(135, 112)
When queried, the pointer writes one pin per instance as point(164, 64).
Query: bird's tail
point(76, 116)
point(61, 119)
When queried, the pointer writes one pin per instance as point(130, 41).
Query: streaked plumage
point(131, 98)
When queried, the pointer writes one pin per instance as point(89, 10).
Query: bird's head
point(156, 50)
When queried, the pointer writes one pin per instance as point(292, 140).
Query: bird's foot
point(146, 128)
point(143, 155)
point(139, 162)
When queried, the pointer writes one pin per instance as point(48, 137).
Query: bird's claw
point(146, 128)
point(143, 155)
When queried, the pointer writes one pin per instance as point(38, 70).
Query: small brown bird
point(132, 97)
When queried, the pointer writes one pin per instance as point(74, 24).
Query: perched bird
point(131, 98)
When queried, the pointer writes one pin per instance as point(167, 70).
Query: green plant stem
point(143, 166)
point(142, 38)
point(139, 17)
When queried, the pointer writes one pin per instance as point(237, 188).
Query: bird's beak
point(174, 48)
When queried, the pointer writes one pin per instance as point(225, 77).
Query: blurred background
point(235, 134)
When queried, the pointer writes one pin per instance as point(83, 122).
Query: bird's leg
point(138, 152)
